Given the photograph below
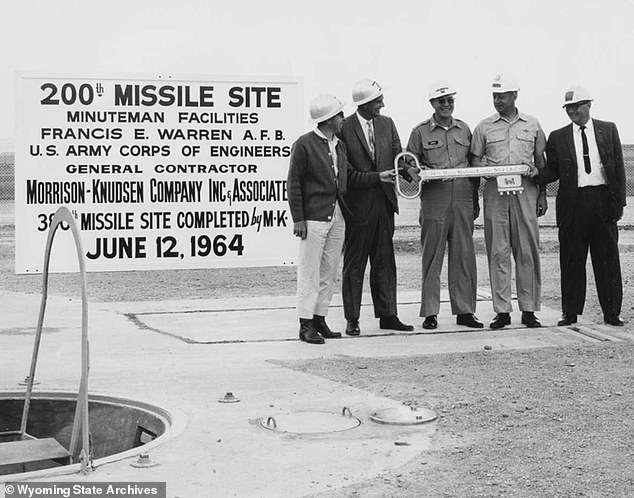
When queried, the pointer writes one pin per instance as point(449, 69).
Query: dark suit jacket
point(562, 165)
point(360, 199)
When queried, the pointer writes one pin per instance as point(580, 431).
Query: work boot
point(469, 320)
point(567, 319)
point(352, 327)
point(307, 332)
point(530, 320)
point(321, 326)
point(500, 320)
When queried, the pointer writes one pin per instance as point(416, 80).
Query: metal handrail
point(81, 411)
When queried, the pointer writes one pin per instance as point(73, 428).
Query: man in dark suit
point(587, 158)
point(372, 143)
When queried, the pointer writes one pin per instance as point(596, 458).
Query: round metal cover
point(311, 422)
point(404, 415)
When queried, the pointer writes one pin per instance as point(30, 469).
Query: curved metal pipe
point(63, 215)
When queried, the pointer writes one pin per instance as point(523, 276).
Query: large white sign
point(159, 173)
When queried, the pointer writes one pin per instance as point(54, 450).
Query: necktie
point(371, 138)
point(586, 156)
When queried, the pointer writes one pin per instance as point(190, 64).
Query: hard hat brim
point(441, 96)
point(369, 99)
point(329, 115)
point(505, 90)
point(575, 101)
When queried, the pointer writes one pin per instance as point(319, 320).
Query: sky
point(405, 46)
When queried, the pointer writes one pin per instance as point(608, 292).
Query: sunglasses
point(574, 107)
point(445, 100)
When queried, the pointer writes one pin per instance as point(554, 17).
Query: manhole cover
point(404, 415)
point(311, 422)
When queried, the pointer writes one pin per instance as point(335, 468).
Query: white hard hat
point(325, 106)
point(576, 93)
point(504, 82)
point(365, 90)
point(440, 89)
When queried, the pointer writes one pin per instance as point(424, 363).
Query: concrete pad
point(274, 319)
point(185, 355)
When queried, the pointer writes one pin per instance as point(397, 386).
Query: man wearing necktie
point(372, 143)
point(587, 159)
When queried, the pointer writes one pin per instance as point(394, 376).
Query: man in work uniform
point(448, 209)
point(510, 221)
point(372, 143)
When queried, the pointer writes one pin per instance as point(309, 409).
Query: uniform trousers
point(319, 256)
point(369, 235)
point(510, 228)
point(590, 228)
point(446, 220)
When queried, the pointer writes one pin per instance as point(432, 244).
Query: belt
point(593, 188)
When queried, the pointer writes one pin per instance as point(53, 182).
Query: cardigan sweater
point(313, 188)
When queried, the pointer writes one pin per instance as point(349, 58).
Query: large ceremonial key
point(509, 176)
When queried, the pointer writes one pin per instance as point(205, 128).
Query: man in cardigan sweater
point(318, 177)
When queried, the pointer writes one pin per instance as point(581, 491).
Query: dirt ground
point(552, 422)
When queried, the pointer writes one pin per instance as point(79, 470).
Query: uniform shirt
point(597, 175)
point(440, 148)
point(499, 141)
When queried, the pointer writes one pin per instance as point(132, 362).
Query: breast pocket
point(526, 141)
point(434, 153)
point(496, 149)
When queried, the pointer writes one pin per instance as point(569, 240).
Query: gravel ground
point(555, 422)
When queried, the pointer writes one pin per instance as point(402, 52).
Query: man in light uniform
point(448, 209)
point(510, 221)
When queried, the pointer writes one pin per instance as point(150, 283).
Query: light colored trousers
point(446, 219)
point(319, 257)
point(510, 228)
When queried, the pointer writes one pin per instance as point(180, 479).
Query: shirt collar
point(588, 126)
point(320, 134)
point(434, 124)
point(520, 116)
point(362, 120)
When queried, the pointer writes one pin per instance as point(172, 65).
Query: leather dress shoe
point(352, 327)
point(322, 327)
point(307, 333)
point(430, 322)
point(500, 320)
point(613, 320)
point(530, 320)
point(567, 319)
point(393, 323)
point(470, 320)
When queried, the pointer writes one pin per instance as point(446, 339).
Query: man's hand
point(300, 229)
point(532, 171)
point(387, 176)
point(542, 203)
point(413, 173)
